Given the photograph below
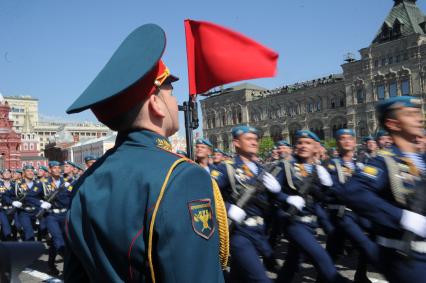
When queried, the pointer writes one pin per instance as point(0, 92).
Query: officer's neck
point(246, 157)
point(404, 144)
point(28, 180)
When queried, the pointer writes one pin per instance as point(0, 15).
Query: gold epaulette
point(222, 223)
point(385, 152)
point(229, 162)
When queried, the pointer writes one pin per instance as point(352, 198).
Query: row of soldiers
point(37, 200)
point(374, 198)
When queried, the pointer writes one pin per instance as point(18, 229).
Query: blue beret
point(26, 167)
point(345, 132)
point(204, 141)
point(89, 158)
point(44, 168)
point(181, 152)
point(18, 171)
point(381, 133)
point(368, 138)
point(67, 162)
point(54, 163)
point(398, 102)
point(218, 150)
point(307, 134)
point(131, 72)
point(239, 130)
point(78, 166)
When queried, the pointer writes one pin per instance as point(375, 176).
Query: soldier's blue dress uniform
point(300, 228)
point(6, 194)
point(33, 192)
point(160, 222)
point(380, 193)
point(55, 216)
point(249, 239)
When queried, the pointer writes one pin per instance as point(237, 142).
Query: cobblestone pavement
point(346, 264)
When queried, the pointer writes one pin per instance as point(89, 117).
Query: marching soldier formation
point(223, 217)
point(34, 206)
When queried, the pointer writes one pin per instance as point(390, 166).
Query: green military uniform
point(111, 245)
point(142, 213)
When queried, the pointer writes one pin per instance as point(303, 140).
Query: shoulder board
point(385, 152)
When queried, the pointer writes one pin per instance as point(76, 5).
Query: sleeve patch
point(370, 171)
point(202, 217)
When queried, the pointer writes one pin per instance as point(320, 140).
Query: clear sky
point(52, 49)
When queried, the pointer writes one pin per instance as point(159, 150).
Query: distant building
point(23, 109)
point(96, 147)
point(394, 64)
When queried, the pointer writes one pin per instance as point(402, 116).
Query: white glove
point(324, 176)
point(236, 213)
point(271, 183)
point(45, 205)
point(16, 204)
point(296, 201)
point(414, 222)
point(66, 184)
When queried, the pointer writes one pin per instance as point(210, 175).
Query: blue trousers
point(26, 220)
point(5, 225)
point(348, 226)
point(302, 241)
point(56, 226)
point(245, 263)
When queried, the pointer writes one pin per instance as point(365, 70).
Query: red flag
point(217, 55)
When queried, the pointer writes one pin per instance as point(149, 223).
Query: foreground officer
point(160, 223)
point(390, 192)
point(248, 240)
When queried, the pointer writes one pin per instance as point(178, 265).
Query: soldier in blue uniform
point(203, 150)
point(248, 206)
point(346, 223)
point(6, 193)
point(218, 156)
point(163, 221)
point(305, 197)
point(89, 160)
point(383, 139)
point(390, 190)
point(369, 149)
point(57, 195)
point(68, 171)
point(28, 194)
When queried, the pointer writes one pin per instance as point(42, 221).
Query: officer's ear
point(157, 105)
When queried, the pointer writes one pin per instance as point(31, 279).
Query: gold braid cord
point(222, 223)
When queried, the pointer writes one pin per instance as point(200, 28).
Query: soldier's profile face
point(172, 116)
point(306, 147)
point(410, 121)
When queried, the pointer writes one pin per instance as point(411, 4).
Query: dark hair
point(390, 114)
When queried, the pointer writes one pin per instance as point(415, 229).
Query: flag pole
point(191, 123)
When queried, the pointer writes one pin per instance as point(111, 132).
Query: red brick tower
point(10, 157)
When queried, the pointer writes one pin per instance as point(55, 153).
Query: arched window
point(31, 146)
point(25, 146)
